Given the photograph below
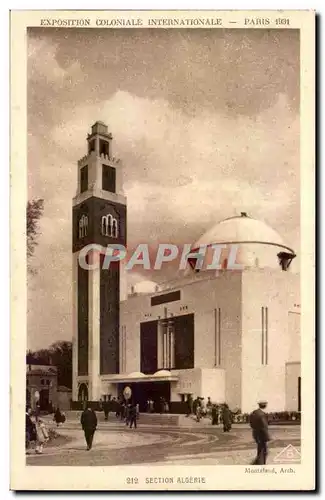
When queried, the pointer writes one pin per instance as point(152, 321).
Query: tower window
point(84, 179)
point(91, 146)
point(109, 179)
point(103, 147)
point(83, 226)
point(109, 226)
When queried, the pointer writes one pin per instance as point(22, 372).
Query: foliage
point(34, 212)
point(59, 354)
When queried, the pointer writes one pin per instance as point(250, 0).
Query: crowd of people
point(37, 434)
point(218, 413)
point(127, 411)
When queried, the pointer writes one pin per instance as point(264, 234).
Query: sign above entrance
point(127, 392)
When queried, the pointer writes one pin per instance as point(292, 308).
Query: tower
point(98, 218)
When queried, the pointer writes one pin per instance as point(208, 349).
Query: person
point(214, 415)
point(162, 404)
point(42, 435)
point(37, 411)
point(209, 407)
point(189, 405)
point(89, 424)
point(133, 415)
point(198, 409)
point(203, 408)
point(259, 424)
point(226, 418)
point(127, 413)
point(106, 409)
point(30, 429)
point(57, 417)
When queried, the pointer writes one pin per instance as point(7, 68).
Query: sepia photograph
point(164, 245)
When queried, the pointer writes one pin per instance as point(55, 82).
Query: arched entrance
point(83, 393)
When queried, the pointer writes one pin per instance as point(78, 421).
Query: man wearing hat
point(260, 426)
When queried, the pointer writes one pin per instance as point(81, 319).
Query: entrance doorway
point(142, 391)
point(83, 393)
point(44, 399)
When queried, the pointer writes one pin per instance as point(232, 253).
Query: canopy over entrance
point(160, 376)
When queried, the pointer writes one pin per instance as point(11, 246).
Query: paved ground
point(116, 444)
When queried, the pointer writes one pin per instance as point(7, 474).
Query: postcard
point(162, 223)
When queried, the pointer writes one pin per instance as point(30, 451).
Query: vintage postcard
point(162, 218)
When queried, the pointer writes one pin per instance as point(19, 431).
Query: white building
point(232, 334)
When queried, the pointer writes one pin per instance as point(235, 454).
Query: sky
point(205, 122)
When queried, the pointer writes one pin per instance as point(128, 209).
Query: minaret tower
point(99, 218)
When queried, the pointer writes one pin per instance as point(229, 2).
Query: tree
point(34, 212)
point(59, 354)
point(61, 357)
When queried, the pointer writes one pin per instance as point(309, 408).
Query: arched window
point(109, 226)
point(83, 226)
point(115, 229)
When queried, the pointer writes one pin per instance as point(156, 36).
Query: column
point(94, 334)
point(75, 326)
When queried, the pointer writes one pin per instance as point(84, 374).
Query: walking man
point(260, 427)
point(89, 423)
point(133, 416)
point(226, 418)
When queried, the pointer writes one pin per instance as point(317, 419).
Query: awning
point(141, 377)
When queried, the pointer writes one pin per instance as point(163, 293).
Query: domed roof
point(136, 375)
point(144, 287)
point(162, 373)
point(241, 229)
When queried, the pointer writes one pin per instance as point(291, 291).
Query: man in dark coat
point(133, 415)
point(89, 423)
point(260, 426)
point(226, 418)
point(214, 415)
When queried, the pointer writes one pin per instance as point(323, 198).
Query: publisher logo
point(289, 454)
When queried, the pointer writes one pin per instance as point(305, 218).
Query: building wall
point(201, 298)
point(36, 382)
point(213, 385)
point(279, 292)
point(63, 400)
point(292, 374)
point(294, 319)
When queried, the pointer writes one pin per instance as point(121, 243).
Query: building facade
point(231, 334)
point(41, 386)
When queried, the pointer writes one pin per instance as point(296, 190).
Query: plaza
point(189, 444)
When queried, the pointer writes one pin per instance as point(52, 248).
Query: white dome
point(144, 287)
point(241, 229)
point(257, 243)
point(136, 375)
point(162, 373)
